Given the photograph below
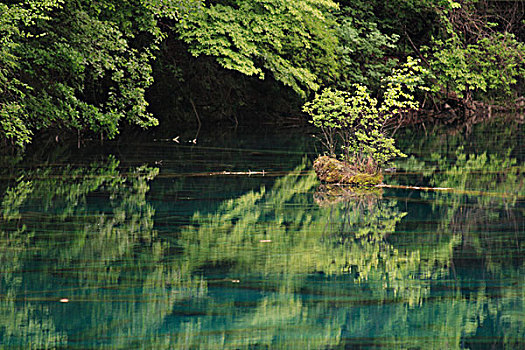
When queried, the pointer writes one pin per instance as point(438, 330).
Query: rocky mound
point(331, 170)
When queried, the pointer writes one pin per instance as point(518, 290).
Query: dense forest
point(93, 68)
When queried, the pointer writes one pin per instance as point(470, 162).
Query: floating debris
point(249, 172)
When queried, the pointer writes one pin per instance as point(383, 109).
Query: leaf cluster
point(363, 50)
point(78, 65)
point(355, 122)
point(293, 40)
point(491, 66)
point(476, 55)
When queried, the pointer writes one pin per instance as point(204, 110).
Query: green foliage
point(375, 35)
point(353, 122)
point(78, 65)
point(14, 21)
point(293, 40)
point(490, 67)
point(473, 48)
point(356, 121)
point(86, 67)
point(402, 85)
point(363, 49)
point(474, 55)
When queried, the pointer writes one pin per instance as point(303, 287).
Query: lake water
point(149, 243)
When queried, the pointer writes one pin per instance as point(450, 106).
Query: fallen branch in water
point(419, 188)
point(249, 172)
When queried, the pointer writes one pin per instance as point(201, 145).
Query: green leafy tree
point(292, 40)
point(78, 65)
point(363, 51)
point(490, 68)
point(15, 19)
point(475, 56)
point(356, 121)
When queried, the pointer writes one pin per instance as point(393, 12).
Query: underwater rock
point(331, 170)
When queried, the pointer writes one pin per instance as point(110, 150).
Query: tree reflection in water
point(274, 268)
point(85, 233)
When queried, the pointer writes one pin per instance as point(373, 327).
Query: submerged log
point(331, 170)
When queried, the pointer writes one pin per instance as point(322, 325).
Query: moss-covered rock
point(331, 170)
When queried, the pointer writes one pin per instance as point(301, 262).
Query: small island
point(331, 170)
point(352, 127)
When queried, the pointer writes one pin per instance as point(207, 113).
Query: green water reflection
point(152, 257)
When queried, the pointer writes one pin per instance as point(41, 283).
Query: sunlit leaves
point(15, 21)
point(488, 68)
point(355, 121)
point(293, 40)
point(80, 66)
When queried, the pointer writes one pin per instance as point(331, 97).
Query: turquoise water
point(154, 244)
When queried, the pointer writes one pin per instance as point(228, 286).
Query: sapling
point(352, 124)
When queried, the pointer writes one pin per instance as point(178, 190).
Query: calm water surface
point(157, 245)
